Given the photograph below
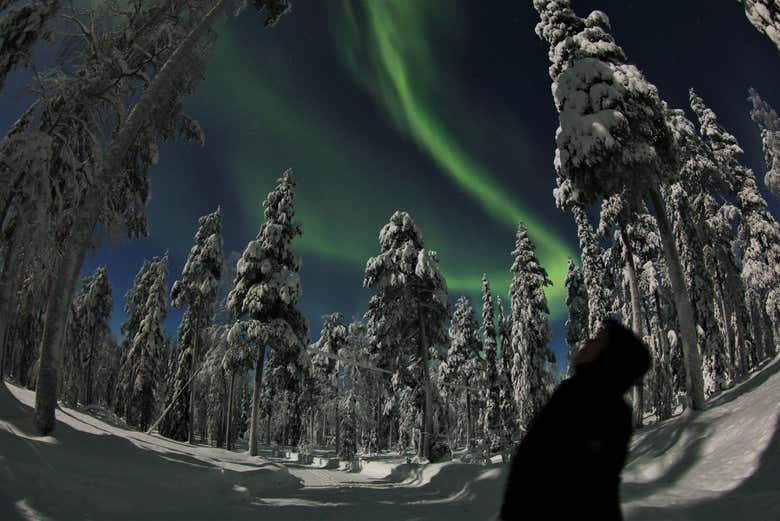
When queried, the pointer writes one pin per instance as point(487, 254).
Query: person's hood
point(616, 354)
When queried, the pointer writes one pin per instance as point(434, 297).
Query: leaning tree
point(613, 139)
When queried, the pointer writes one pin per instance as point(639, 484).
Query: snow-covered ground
point(723, 464)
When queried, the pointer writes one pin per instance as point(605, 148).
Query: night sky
point(439, 108)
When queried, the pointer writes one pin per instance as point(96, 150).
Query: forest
point(676, 240)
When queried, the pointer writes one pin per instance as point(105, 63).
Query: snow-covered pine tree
point(135, 301)
point(768, 121)
point(687, 201)
point(197, 289)
point(765, 17)
point(350, 377)
point(506, 393)
point(85, 344)
point(758, 232)
point(333, 339)
point(593, 271)
point(408, 313)
point(577, 305)
point(107, 368)
point(20, 28)
point(530, 328)
point(240, 352)
point(492, 416)
point(149, 352)
point(661, 396)
point(369, 387)
point(266, 293)
point(614, 143)
point(172, 57)
point(464, 365)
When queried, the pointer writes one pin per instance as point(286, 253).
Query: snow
point(722, 463)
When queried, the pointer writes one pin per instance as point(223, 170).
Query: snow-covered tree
point(134, 308)
point(148, 354)
point(687, 201)
point(20, 28)
point(758, 232)
point(593, 271)
point(266, 293)
point(765, 16)
point(492, 416)
point(197, 289)
point(86, 345)
point(147, 67)
point(530, 328)
point(769, 122)
point(406, 316)
point(506, 393)
point(661, 396)
point(463, 363)
point(577, 305)
point(325, 369)
point(614, 142)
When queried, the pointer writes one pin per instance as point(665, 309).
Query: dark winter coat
point(568, 464)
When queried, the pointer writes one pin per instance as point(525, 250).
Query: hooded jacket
point(568, 464)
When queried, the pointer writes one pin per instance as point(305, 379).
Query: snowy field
point(723, 464)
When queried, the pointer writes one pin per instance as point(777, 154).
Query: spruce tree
point(765, 17)
point(530, 329)
point(593, 271)
point(768, 121)
point(408, 314)
point(492, 420)
point(333, 339)
point(197, 289)
point(464, 365)
point(134, 308)
point(86, 344)
point(577, 305)
point(758, 232)
point(505, 392)
point(615, 143)
point(148, 352)
point(266, 293)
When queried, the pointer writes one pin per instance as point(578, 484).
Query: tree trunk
point(254, 417)
point(193, 364)
point(90, 366)
point(691, 357)
point(424, 451)
point(268, 426)
point(8, 289)
point(636, 319)
point(229, 421)
point(50, 358)
point(64, 278)
point(726, 313)
point(468, 419)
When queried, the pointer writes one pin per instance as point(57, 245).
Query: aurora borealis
point(441, 108)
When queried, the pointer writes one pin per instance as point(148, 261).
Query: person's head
point(616, 352)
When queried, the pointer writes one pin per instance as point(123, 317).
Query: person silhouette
point(569, 462)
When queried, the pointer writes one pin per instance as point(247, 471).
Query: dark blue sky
point(440, 108)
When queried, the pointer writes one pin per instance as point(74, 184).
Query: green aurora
point(349, 183)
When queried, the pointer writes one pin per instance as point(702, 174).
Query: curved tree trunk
point(636, 319)
point(113, 163)
point(691, 357)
